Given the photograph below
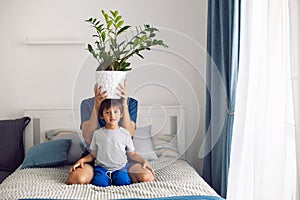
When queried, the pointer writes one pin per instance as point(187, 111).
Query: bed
point(161, 127)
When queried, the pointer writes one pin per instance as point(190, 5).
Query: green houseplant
point(111, 50)
point(113, 47)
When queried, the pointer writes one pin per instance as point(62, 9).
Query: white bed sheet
point(175, 177)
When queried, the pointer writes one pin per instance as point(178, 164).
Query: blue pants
point(103, 177)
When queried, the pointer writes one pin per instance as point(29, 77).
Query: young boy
point(109, 147)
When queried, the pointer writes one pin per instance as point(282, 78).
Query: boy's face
point(112, 115)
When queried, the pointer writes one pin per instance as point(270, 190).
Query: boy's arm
point(88, 158)
point(80, 163)
point(137, 158)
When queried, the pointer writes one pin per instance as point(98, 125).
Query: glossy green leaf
point(109, 23)
point(118, 18)
point(136, 42)
point(119, 24)
point(103, 36)
point(124, 28)
point(143, 38)
point(114, 13)
point(140, 55)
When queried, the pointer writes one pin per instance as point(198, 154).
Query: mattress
point(174, 177)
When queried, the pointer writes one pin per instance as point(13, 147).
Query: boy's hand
point(148, 166)
point(79, 163)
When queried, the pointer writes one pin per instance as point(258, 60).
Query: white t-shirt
point(111, 147)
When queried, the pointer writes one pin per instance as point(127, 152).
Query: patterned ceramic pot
point(110, 81)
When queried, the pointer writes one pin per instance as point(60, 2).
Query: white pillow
point(165, 145)
point(143, 143)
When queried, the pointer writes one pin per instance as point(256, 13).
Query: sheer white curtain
point(263, 153)
point(294, 8)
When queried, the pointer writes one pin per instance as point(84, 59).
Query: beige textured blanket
point(174, 178)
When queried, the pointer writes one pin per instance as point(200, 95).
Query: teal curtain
point(222, 63)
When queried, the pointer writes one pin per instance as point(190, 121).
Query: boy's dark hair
point(107, 103)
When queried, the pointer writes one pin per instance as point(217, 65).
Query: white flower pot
point(110, 81)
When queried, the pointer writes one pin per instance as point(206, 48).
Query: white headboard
point(164, 119)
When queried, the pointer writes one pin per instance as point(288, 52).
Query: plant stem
point(131, 54)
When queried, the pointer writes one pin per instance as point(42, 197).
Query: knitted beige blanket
point(174, 178)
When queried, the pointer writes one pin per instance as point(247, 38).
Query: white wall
point(60, 75)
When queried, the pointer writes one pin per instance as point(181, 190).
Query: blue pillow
point(47, 154)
